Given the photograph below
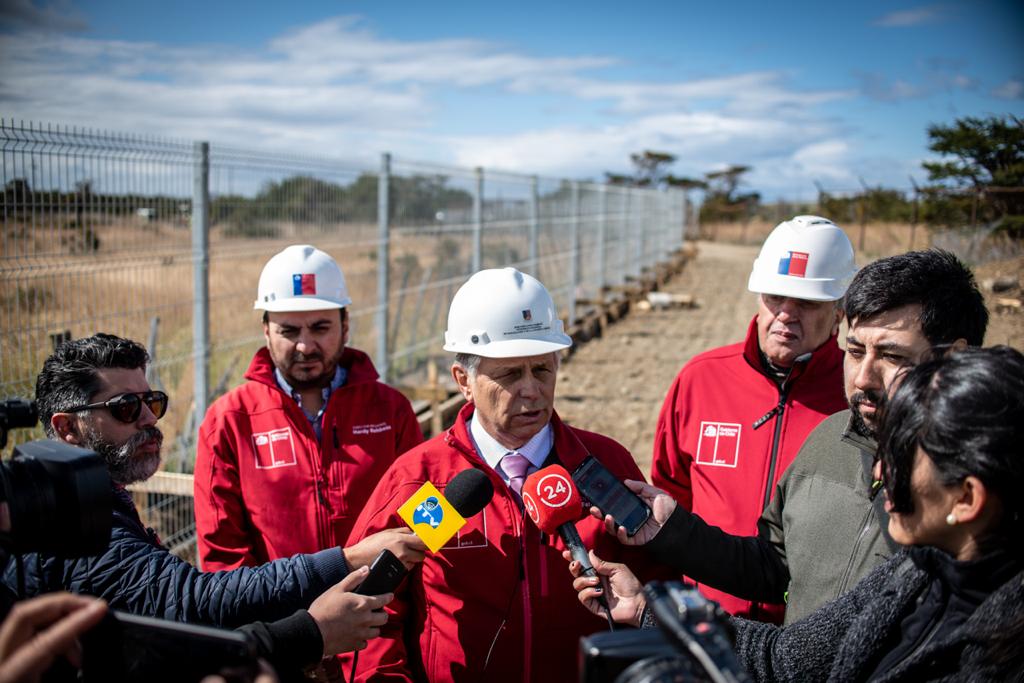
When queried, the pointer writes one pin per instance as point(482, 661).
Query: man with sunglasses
point(93, 393)
point(286, 461)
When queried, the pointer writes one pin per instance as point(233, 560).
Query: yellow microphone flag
point(431, 517)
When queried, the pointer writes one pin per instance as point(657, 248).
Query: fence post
point(574, 263)
point(664, 220)
point(478, 219)
point(534, 225)
point(638, 251)
point(200, 280)
point(625, 231)
point(602, 236)
point(684, 200)
point(383, 263)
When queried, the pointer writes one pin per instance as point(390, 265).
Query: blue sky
point(800, 91)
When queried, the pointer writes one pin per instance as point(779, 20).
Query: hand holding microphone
point(433, 519)
point(554, 504)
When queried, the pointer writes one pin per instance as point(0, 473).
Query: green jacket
point(821, 520)
point(820, 534)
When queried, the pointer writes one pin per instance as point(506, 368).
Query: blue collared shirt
point(340, 375)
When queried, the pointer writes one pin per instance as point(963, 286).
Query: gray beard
point(124, 466)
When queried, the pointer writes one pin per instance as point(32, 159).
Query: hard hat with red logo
point(503, 313)
point(808, 257)
point(301, 278)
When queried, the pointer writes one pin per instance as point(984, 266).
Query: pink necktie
point(516, 467)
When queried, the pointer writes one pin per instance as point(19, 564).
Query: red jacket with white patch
point(710, 458)
point(266, 488)
point(499, 583)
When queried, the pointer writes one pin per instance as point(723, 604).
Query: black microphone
point(469, 492)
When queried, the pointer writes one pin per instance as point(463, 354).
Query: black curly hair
point(68, 377)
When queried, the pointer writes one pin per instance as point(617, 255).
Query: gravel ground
point(615, 385)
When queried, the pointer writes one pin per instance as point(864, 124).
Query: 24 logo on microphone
point(554, 491)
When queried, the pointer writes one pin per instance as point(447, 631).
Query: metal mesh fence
point(148, 238)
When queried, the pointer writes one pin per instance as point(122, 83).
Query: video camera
point(59, 502)
point(58, 496)
point(694, 642)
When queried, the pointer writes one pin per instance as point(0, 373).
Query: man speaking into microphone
point(495, 603)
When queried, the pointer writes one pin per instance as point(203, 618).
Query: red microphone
point(554, 504)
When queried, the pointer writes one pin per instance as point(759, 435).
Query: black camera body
point(694, 642)
point(59, 502)
point(59, 498)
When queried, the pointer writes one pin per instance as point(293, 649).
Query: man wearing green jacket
point(824, 528)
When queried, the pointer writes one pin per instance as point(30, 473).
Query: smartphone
point(127, 647)
point(386, 572)
point(609, 495)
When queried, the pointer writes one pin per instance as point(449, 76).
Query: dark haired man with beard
point(286, 461)
point(824, 528)
point(93, 393)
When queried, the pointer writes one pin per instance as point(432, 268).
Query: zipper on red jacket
point(773, 461)
point(321, 485)
point(778, 412)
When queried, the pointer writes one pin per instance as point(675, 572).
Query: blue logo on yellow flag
point(431, 517)
point(428, 512)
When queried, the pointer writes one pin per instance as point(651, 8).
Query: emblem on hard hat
point(303, 283)
point(794, 264)
point(527, 315)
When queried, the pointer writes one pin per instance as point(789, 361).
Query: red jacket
point(498, 583)
point(266, 488)
point(710, 458)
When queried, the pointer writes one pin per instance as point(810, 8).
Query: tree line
point(978, 180)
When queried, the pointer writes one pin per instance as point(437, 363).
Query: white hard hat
point(503, 313)
point(808, 257)
point(301, 278)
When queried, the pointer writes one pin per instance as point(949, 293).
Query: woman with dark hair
point(950, 606)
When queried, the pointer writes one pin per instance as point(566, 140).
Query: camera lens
point(59, 498)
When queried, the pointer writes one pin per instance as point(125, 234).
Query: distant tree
point(418, 198)
point(618, 178)
point(725, 182)
point(685, 183)
point(984, 179)
point(723, 201)
point(304, 199)
point(650, 167)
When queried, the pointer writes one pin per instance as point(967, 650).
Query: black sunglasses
point(128, 407)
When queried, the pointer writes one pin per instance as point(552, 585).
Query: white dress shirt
point(490, 451)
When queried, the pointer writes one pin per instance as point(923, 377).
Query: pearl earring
point(951, 519)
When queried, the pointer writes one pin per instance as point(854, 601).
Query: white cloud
point(336, 88)
point(1012, 89)
point(914, 17)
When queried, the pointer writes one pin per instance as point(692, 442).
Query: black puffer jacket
point(138, 575)
point(846, 638)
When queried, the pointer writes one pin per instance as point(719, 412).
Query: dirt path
point(615, 385)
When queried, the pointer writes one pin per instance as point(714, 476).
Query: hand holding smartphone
point(605, 492)
point(386, 572)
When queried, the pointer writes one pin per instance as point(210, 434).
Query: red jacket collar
point(567, 446)
point(823, 357)
point(358, 365)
